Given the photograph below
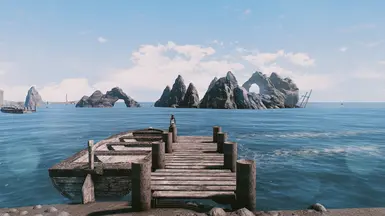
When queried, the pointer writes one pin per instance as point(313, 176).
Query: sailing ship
point(305, 100)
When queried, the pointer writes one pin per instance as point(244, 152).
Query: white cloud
point(6, 67)
point(220, 43)
point(102, 40)
point(374, 43)
point(261, 59)
point(382, 62)
point(247, 12)
point(343, 49)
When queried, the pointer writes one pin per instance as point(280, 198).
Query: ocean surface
point(328, 153)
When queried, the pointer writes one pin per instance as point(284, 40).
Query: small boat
point(15, 110)
point(112, 165)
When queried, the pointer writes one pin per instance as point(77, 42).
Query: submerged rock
point(191, 98)
point(98, 99)
point(33, 99)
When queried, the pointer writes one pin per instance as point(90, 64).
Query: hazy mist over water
point(328, 153)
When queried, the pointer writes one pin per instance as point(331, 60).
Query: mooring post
point(246, 184)
point(221, 139)
point(91, 154)
point(174, 132)
point(167, 139)
point(88, 191)
point(216, 130)
point(141, 185)
point(230, 155)
point(158, 156)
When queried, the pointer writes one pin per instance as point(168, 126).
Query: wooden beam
point(213, 171)
point(123, 152)
point(192, 194)
point(88, 191)
point(192, 174)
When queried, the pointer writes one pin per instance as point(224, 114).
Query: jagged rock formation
point(33, 99)
point(191, 98)
point(225, 93)
point(275, 91)
point(98, 99)
point(177, 92)
point(178, 96)
point(164, 99)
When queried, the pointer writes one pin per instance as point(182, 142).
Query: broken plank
point(183, 182)
point(191, 194)
point(192, 188)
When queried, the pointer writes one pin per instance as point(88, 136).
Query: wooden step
point(194, 178)
point(213, 171)
point(184, 182)
point(192, 188)
point(196, 163)
point(192, 194)
point(199, 167)
point(159, 174)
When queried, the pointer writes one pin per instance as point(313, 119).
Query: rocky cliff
point(33, 99)
point(98, 99)
point(225, 93)
point(178, 96)
point(275, 91)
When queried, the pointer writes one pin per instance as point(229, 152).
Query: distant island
point(225, 93)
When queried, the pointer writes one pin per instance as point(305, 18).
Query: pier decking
point(155, 164)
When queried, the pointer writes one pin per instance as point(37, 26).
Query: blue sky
point(334, 47)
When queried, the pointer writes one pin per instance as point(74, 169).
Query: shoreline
point(169, 208)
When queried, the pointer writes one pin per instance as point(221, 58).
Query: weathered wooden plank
point(194, 161)
point(183, 182)
point(88, 193)
point(230, 174)
point(134, 151)
point(214, 171)
point(192, 188)
point(168, 163)
point(193, 167)
point(191, 194)
point(194, 178)
point(195, 154)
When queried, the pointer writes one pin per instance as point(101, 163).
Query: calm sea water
point(325, 153)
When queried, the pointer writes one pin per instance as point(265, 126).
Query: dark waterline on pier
point(325, 153)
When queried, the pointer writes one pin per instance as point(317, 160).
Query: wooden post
point(216, 129)
point(141, 185)
point(91, 164)
point(158, 156)
point(246, 184)
point(221, 139)
point(174, 132)
point(88, 191)
point(167, 139)
point(230, 155)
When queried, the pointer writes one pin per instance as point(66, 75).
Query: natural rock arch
point(98, 99)
point(254, 88)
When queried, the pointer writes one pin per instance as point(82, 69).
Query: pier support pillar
point(91, 156)
point(167, 139)
point(221, 139)
point(246, 184)
point(174, 132)
point(216, 129)
point(230, 155)
point(158, 156)
point(88, 190)
point(141, 185)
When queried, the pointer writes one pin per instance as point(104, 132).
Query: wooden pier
point(182, 167)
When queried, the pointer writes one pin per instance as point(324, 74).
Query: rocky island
point(98, 99)
point(226, 93)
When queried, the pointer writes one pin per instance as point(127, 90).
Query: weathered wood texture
point(141, 185)
point(88, 192)
point(194, 170)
